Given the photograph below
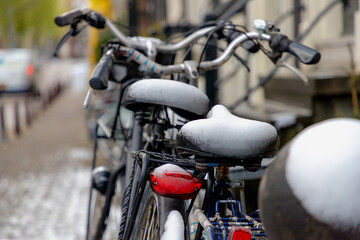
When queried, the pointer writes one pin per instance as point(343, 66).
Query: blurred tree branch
point(27, 23)
point(353, 84)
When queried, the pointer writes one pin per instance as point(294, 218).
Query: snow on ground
point(50, 205)
point(45, 172)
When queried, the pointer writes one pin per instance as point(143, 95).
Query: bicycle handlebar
point(71, 17)
point(278, 42)
point(160, 47)
point(97, 20)
point(99, 77)
point(249, 45)
point(281, 43)
point(209, 65)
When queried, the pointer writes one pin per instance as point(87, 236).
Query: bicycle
point(136, 131)
point(150, 203)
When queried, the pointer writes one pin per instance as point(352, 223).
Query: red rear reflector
point(172, 181)
point(239, 233)
point(29, 70)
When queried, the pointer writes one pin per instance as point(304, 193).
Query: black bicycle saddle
point(186, 100)
point(224, 135)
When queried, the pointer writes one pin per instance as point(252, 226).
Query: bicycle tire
point(114, 218)
point(95, 213)
point(96, 204)
point(153, 215)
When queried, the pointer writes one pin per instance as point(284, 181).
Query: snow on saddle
point(223, 135)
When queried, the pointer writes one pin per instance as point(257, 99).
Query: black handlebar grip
point(100, 75)
point(71, 17)
point(304, 54)
point(96, 20)
point(282, 43)
point(249, 45)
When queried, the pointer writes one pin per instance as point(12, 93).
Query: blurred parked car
point(18, 70)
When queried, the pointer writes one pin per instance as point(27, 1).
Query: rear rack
point(218, 227)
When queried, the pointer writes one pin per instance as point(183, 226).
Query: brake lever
point(87, 100)
point(73, 31)
point(296, 71)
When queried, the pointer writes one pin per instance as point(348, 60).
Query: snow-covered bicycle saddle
point(311, 191)
point(186, 100)
point(224, 135)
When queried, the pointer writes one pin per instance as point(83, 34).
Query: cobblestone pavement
point(44, 175)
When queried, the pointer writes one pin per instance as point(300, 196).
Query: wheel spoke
point(153, 220)
point(147, 227)
point(149, 222)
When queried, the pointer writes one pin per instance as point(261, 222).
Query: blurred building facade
point(332, 27)
point(333, 87)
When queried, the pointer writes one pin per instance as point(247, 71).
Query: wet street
point(44, 175)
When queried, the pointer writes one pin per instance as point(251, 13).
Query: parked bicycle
point(176, 152)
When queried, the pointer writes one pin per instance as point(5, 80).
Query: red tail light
point(239, 233)
point(29, 70)
point(172, 181)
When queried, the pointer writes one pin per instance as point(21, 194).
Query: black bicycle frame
point(139, 178)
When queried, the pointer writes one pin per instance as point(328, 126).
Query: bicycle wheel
point(97, 203)
point(160, 217)
point(97, 199)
